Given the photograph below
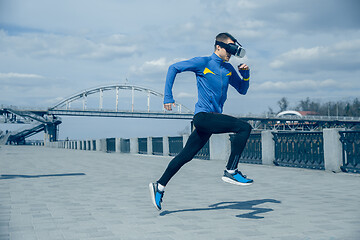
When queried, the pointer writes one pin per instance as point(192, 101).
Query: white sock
point(160, 187)
point(231, 171)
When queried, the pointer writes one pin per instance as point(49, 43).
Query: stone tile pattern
point(53, 194)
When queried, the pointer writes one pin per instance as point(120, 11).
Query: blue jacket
point(213, 77)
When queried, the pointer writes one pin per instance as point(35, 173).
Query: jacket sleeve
point(193, 65)
point(240, 84)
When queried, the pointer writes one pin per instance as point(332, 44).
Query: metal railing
point(299, 149)
point(93, 145)
point(351, 151)
point(175, 145)
point(110, 145)
point(204, 152)
point(142, 145)
point(157, 145)
point(125, 145)
point(252, 151)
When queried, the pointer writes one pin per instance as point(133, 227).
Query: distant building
point(297, 113)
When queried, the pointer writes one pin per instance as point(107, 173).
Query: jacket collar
point(216, 58)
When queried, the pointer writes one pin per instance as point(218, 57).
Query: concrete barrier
point(166, 146)
point(220, 146)
point(267, 148)
point(118, 145)
point(332, 149)
point(149, 146)
point(134, 145)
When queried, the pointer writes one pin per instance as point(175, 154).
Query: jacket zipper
point(221, 84)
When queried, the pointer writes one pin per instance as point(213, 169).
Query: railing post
point(185, 138)
point(332, 149)
point(84, 101)
point(132, 99)
point(220, 146)
point(98, 145)
point(267, 147)
point(166, 150)
point(118, 145)
point(149, 146)
point(101, 99)
point(103, 145)
point(134, 145)
point(117, 99)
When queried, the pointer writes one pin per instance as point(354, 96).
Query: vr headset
point(233, 48)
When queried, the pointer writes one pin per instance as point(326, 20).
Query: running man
point(213, 75)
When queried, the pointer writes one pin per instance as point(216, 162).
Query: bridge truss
point(64, 107)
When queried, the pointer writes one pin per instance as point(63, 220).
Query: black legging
point(205, 125)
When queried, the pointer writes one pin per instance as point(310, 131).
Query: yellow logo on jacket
point(206, 70)
point(229, 74)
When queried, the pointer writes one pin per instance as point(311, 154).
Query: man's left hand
point(244, 70)
point(243, 67)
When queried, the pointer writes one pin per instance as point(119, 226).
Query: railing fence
point(157, 145)
point(351, 151)
point(252, 151)
point(142, 145)
point(175, 145)
point(286, 148)
point(299, 149)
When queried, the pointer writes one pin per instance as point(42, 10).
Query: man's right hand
point(168, 106)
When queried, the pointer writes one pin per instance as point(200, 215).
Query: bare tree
point(283, 104)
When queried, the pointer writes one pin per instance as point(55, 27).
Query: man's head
point(220, 51)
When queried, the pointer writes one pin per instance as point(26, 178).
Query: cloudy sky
point(296, 49)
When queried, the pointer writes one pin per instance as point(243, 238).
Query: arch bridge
point(147, 109)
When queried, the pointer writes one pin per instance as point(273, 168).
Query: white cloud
point(161, 62)
point(44, 45)
point(247, 4)
point(185, 95)
point(350, 45)
point(297, 86)
point(19, 75)
point(338, 57)
point(154, 66)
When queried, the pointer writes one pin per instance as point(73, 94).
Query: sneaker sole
point(228, 180)
point(152, 194)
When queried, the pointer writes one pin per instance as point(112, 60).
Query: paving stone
point(111, 201)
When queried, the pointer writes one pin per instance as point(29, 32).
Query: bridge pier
point(51, 132)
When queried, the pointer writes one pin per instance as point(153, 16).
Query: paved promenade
point(51, 194)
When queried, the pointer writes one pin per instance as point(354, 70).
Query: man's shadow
point(246, 205)
point(13, 176)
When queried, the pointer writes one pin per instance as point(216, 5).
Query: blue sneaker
point(237, 178)
point(156, 195)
